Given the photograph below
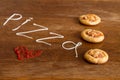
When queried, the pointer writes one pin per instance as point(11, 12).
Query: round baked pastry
point(92, 35)
point(96, 56)
point(90, 19)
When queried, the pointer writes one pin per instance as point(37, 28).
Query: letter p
point(12, 17)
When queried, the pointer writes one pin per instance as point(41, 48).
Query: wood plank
point(60, 16)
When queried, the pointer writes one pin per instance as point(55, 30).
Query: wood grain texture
point(60, 16)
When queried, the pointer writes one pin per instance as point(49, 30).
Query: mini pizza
point(90, 19)
point(92, 35)
point(96, 56)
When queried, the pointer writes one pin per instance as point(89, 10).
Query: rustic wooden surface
point(60, 16)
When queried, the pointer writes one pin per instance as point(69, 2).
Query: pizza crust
point(93, 36)
point(96, 56)
point(90, 19)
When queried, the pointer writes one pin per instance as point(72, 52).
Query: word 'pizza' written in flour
point(17, 17)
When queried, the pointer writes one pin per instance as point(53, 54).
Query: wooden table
point(56, 63)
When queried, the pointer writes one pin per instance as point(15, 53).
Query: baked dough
point(92, 35)
point(96, 56)
point(90, 19)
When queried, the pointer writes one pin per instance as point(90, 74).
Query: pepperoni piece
point(23, 53)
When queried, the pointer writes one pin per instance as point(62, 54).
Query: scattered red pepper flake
point(23, 53)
